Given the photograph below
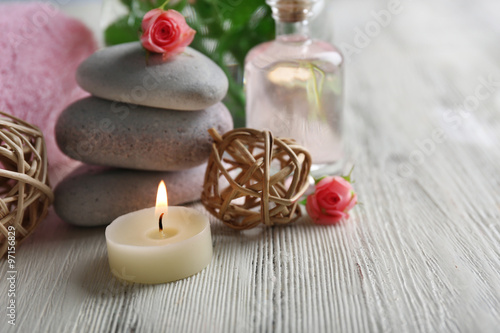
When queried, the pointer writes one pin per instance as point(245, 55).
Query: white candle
point(138, 251)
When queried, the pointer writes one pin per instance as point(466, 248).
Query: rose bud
point(166, 32)
point(331, 201)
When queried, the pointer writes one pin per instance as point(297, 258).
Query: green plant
point(226, 31)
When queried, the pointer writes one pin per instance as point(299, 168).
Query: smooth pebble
point(95, 196)
point(189, 81)
point(97, 131)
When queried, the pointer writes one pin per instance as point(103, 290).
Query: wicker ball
point(253, 178)
point(25, 194)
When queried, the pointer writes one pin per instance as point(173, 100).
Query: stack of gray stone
point(146, 120)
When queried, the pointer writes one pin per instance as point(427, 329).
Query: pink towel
point(40, 50)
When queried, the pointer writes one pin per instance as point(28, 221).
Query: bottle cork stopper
point(291, 10)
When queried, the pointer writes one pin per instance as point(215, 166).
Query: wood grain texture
point(421, 254)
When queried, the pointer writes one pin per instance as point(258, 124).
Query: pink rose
point(166, 32)
point(333, 198)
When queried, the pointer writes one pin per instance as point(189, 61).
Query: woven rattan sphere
point(25, 194)
point(253, 178)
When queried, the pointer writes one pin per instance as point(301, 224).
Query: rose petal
point(312, 207)
point(149, 45)
point(329, 219)
point(337, 183)
point(150, 17)
point(352, 202)
point(175, 16)
point(328, 199)
point(165, 34)
point(187, 37)
point(343, 188)
point(324, 182)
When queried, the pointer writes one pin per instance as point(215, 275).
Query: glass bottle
point(294, 86)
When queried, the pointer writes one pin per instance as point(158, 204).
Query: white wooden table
point(422, 254)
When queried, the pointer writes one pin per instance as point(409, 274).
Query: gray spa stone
point(95, 196)
point(189, 81)
point(97, 131)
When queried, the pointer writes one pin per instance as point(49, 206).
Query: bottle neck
point(285, 30)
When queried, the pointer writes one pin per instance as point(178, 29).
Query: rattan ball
point(25, 194)
point(254, 178)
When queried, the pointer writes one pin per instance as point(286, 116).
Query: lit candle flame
point(161, 208)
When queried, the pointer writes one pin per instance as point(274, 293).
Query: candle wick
point(160, 224)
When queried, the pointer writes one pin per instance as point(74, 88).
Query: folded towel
point(40, 50)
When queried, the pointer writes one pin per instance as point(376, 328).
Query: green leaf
point(121, 32)
point(303, 202)
point(317, 180)
point(127, 3)
point(348, 177)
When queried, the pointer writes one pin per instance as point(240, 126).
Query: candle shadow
point(97, 280)
point(219, 230)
